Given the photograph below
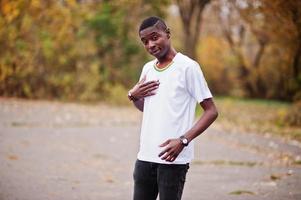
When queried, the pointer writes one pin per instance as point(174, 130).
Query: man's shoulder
point(186, 61)
point(149, 64)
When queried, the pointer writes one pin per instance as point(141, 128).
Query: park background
point(68, 130)
point(89, 51)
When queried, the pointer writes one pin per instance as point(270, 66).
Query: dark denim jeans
point(153, 178)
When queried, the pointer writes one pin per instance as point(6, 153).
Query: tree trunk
point(296, 61)
point(191, 17)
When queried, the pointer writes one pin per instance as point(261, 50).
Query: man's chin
point(158, 55)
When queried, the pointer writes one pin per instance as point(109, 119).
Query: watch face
point(184, 141)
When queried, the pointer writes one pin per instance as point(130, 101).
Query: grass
point(297, 162)
point(275, 177)
point(240, 192)
point(255, 116)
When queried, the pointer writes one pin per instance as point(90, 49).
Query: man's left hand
point(173, 148)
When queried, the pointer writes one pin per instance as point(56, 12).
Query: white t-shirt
point(170, 112)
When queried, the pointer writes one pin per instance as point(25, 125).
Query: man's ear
point(168, 32)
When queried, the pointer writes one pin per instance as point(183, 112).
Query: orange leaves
point(35, 3)
point(10, 9)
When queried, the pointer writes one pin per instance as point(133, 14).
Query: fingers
point(148, 85)
point(144, 89)
point(169, 156)
point(172, 149)
point(164, 152)
point(164, 143)
point(149, 94)
point(173, 158)
point(148, 90)
point(167, 152)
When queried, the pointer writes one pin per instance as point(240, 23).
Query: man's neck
point(167, 58)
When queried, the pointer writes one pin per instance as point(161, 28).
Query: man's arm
point(209, 116)
point(173, 147)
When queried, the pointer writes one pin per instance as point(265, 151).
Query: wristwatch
point(184, 140)
point(131, 97)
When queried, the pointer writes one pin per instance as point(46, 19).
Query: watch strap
point(184, 140)
point(131, 97)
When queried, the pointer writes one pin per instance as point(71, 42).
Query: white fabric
point(170, 112)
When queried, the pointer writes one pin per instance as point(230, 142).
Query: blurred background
point(68, 130)
point(89, 51)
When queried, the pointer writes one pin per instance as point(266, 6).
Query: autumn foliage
point(89, 50)
point(74, 50)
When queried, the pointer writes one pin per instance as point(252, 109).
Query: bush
point(117, 95)
point(293, 116)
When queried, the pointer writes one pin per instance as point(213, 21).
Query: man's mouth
point(155, 51)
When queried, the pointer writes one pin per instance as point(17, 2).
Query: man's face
point(155, 40)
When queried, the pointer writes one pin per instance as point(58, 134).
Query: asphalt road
point(66, 151)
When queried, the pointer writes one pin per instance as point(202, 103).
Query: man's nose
point(151, 44)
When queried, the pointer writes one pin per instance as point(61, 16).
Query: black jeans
point(153, 178)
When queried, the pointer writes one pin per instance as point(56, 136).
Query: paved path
point(61, 151)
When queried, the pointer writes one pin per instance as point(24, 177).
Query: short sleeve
point(142, 73)
point(196, 84)
point(145, 70)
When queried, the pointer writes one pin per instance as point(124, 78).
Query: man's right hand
point(144, 89)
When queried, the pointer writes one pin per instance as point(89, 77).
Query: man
point(169, 89)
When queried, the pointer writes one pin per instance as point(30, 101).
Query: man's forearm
point(207, 118)
point(201, 125)
point(139, 104)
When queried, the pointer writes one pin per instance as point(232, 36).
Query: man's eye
point(155, 37)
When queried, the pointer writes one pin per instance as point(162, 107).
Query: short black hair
point(150, 21)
